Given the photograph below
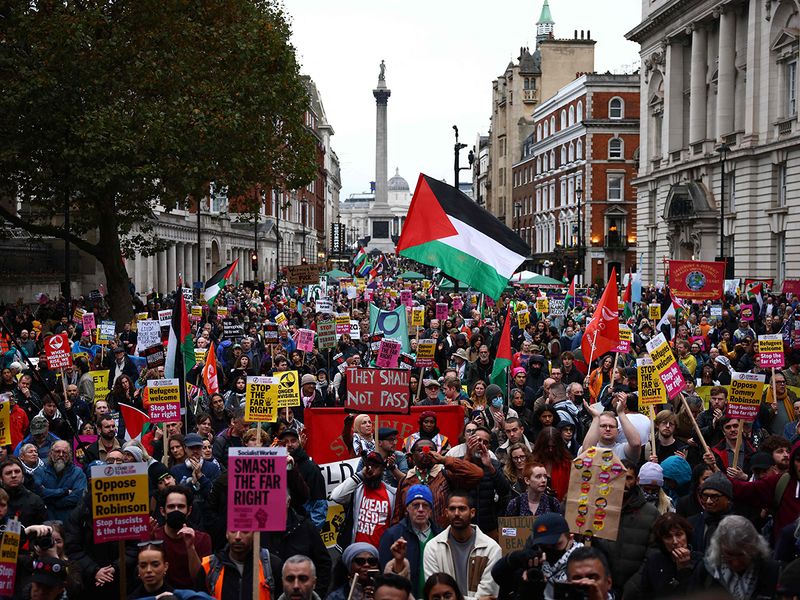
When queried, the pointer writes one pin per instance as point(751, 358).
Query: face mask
point(650, 497)
point(497, 402)
point(176, 519)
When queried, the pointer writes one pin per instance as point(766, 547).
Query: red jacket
point(761, 494)
point(19, 425)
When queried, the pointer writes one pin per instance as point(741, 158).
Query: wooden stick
point(123, 579)
point(694, 424)
point(652, 413)
point(738, 444)
point(257, 539)
point(165, 457)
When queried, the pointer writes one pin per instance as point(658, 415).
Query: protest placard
point(58, 352)
point(200, 355)
point(165, 400)
point(324, 306)
point(388, 353)
point(257, 489)
point(100, 380)
point(770, 351)
point(375, 341)
point(406, 361)
point(5, 419)
point(88, 321)
point(651, 389)
point(232, 329)
point(340, 362)
point(154, 355)
point(9, 554)
point(523, 318)
point(106, 332)
point(405, 297)
point(288, 388)
point(542, 305)
point(458, 302)
point(305, 340)
point(196, 313)
point(165, 317)
point(746, 312)
point(368, 294)
point(222, 311)
point(654, 312)
point(77, 315)
point(514, 532)
point(426, 349)
point(666, 366)
point(744, 399)
point(441, 311)
point(270, 333)
point(355, 330)
point(595, 493)
point(281, 318)
point(300, 275)
point(120, 501)
point(557, 307)
point(716, 311)
point(326, 334)
point(261, 399)
point(383, 391)
point(625, 339)
point(418, 316)
point(342, 324)
point(149, 334)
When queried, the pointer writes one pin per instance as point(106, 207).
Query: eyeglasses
point(607, 426)
point(519, 458)
point(361, 561)
point(115, 461)
point(710, 497)
point(147, 543)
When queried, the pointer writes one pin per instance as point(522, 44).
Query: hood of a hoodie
point(635, 501)
point(792, 457)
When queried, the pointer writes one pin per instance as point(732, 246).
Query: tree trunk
point(117, 282)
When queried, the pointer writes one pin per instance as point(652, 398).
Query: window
point(553, 124)
point(538, 164)
point(579, 150)
point(545, 164)
point(552, 203)
point(538, 200)
point(781, 180)
point(552, 159)
point(563, 155)
point(791, 88)
point(539, 132)
point(780, 248)
point(571, 151)
point(571, 119)
point(615, 148)
point(615, 187)
point(546, 129)
point(731, 189)
point(563, 119)
point(615, 107)
point(562, 201)
point(579, 112)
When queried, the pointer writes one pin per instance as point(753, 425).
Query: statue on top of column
point(382, 76)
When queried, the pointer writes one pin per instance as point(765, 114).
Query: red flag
point(210, 371)
point(602, 332)
point(626, 295)
point(134, 419)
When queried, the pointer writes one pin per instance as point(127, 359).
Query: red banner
point(374, 391)
point(697, 280)
point(324, 429)
point(791, 286)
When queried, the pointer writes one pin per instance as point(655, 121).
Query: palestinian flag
point(569, 299)
point(565, 277)
point(360, 261)
point(755, 293)
point(180, 349)
point(217, 282)
point(627, 311)
point(502, 362)
point(445, 229)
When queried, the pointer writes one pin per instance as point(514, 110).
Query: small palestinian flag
point(180, 349)
point(445, 229)
point(502, 362)
point(217, 282)
point(569, 299)
point(627, 312)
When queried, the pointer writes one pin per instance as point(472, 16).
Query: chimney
point(588, 34)
point(581, 33)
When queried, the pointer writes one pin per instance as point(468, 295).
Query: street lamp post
point(723, 150)
point(579, 269)
point(456, 160)
point(518, 211)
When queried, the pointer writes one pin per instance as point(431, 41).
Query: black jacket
point(659, 577)
point(26, 506)
point(483, 496)
point(766, 580)
point(236, 586)
point(310, 472)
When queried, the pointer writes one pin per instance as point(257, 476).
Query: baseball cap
point(419, 492)
point(192, 440)
point(374, 457)
point(548, 528)
point(384, 433)
point(119, 350)
point(288, 432)
point(430, 382)
point(39, 425)
point(49, 571)
point(156, 472)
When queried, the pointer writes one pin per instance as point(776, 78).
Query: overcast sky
point(441, 57)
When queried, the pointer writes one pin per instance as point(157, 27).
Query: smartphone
point(569, 591)
point(372, 575)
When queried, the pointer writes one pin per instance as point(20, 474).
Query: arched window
point(563, 155)
point(571, 119)
point(539, 132)
point(616, 108)
point(545, 166)
point(571, 151)
point(538, 164)
point(579, 115)
point(579, 150)
point(563, 119)
point(553, 159)
point(546, 129)
point(553, 124)
point(614, 148)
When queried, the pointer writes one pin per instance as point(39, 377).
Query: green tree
point(117, 106)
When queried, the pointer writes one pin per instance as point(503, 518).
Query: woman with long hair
point(363, 435)
point(177, 450)
point(204, 426)
point(478, 396)
point(535, 500)
point(220, 417)
point(441, 586)
point(514, 469)
point(600, 378)
point(549, 450)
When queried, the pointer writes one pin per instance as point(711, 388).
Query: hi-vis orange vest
point(215, 576)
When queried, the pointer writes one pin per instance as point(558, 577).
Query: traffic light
point(254, 261)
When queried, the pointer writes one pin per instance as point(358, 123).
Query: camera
point(564, 590)
point(44, 542)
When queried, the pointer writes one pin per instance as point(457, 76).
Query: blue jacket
point(61, 493)
point(403, 529)
point(183, 476)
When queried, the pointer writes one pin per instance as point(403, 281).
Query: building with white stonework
point(719, 171)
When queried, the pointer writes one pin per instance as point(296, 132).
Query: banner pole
point(738, 444)
point(694, 424)
point(257, 538)
point(652, 412)
point(123, 578)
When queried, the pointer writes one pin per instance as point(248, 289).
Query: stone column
point(673, 98)
point(188, 262)
point(172, 270)
point(697, 85)
point(381, 94)
point(162, 272)
point(179, 262)
point(726, 78)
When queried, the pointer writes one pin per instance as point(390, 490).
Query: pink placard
point(405, 298)
point(88, 322)
point(673, 380)
point(388, 354)
point(623, 348)
point(164, 412)
point(257, 489)
point(305, 340)
point(458, 303)
point(441, 311)
point(746, 312)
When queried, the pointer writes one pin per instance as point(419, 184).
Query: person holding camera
point(533, 571)
point(588, 577)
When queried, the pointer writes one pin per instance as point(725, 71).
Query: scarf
point(787, 403)
point(741, 586)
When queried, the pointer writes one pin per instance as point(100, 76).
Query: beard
point(373, 483)
point(59, 464)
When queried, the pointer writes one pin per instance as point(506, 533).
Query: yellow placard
point(662, 357)
point(100, 379)
point(261, 400)
point(542, 305)
point(293, 303)
point(654, 312)
point(111, 493)
point(5, 423)
point(200, 354)
point(9, 554)
point(222, 311)
point(523, 318)
point(651, 389)
point(288, 388)
point(280, 318)
point(418, 316)
point(197, 311)
point(426, 349)
point(625, 334)
point(142, 316)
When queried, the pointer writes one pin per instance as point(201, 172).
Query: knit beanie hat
point(493, 391)
point(719, 483)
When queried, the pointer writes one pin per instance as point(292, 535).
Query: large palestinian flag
point(445, 229)
point(180, 349)
point(216, 284)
